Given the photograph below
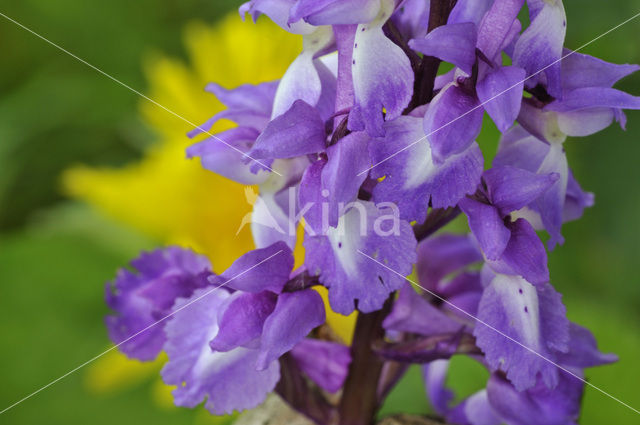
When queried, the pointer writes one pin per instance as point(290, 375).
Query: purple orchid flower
point(337, 146)
point(510, 247)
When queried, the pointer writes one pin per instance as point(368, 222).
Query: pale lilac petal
point(295, 315)
point(534, 317)
point(382, 76)
point(335, 12)
point(342, 175)
point(453, 43)
point(413, 181)
point(542, 124)
point(142, 298)
point(227, 381)
point(326, 363)
point(496, 25)
point(511, 188)
point(452, 122)
point(500, 92)
point(241, 320)
point(584, 122)
point(487, 226)
point(475, 410)
point(518, 148)
point(412, 313)
point(299, 131)
point(304, 78)
point(260, 270)
point(540, 45)
point(580, 70)
point(351, 276)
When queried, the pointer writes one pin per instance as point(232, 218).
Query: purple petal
point(443, 255)
point(141, 299)
point(338, 259)
point(412, 180)
point(540, 45)
point(247, 105)
point(511, 188)
point(299, 131)
point(435, 375)
point(227, 381)
point(594, 97)
point(335, 12)
point(583, 350)
point(452, 122)
point(520, 149)
point(295, 315)
point(524, 255)
point(576, 201)
point(310, 199)
point(534, 316)
point(579, 70)
point(342, 175)
point(487, 226)
point(227, 155)
point(469, 11)
point(496, 25)
point(501, 94)
point(326, 363)
point(412, 18)
point(453, 43)
point(412, 313)
point(279, 12)
point(382, 76)
point(265, 269)
point(242, 320)
point(538, 405)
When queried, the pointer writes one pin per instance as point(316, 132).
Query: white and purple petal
point(413, 181)
point(382, 76)
point(531, 327)
point(226, 381)
point(340, 260)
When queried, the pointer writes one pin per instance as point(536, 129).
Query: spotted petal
point(529, 320)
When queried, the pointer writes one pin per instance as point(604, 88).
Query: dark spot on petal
point(355, 46)
point(339, 244)
point(526, 309)
point(520, 290)
point(363, 28)
point(354, 62)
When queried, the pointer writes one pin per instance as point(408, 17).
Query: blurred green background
point(55, 254)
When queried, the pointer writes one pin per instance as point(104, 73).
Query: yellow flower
point(170, 198)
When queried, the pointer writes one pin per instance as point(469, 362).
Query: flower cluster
point(372, 150)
